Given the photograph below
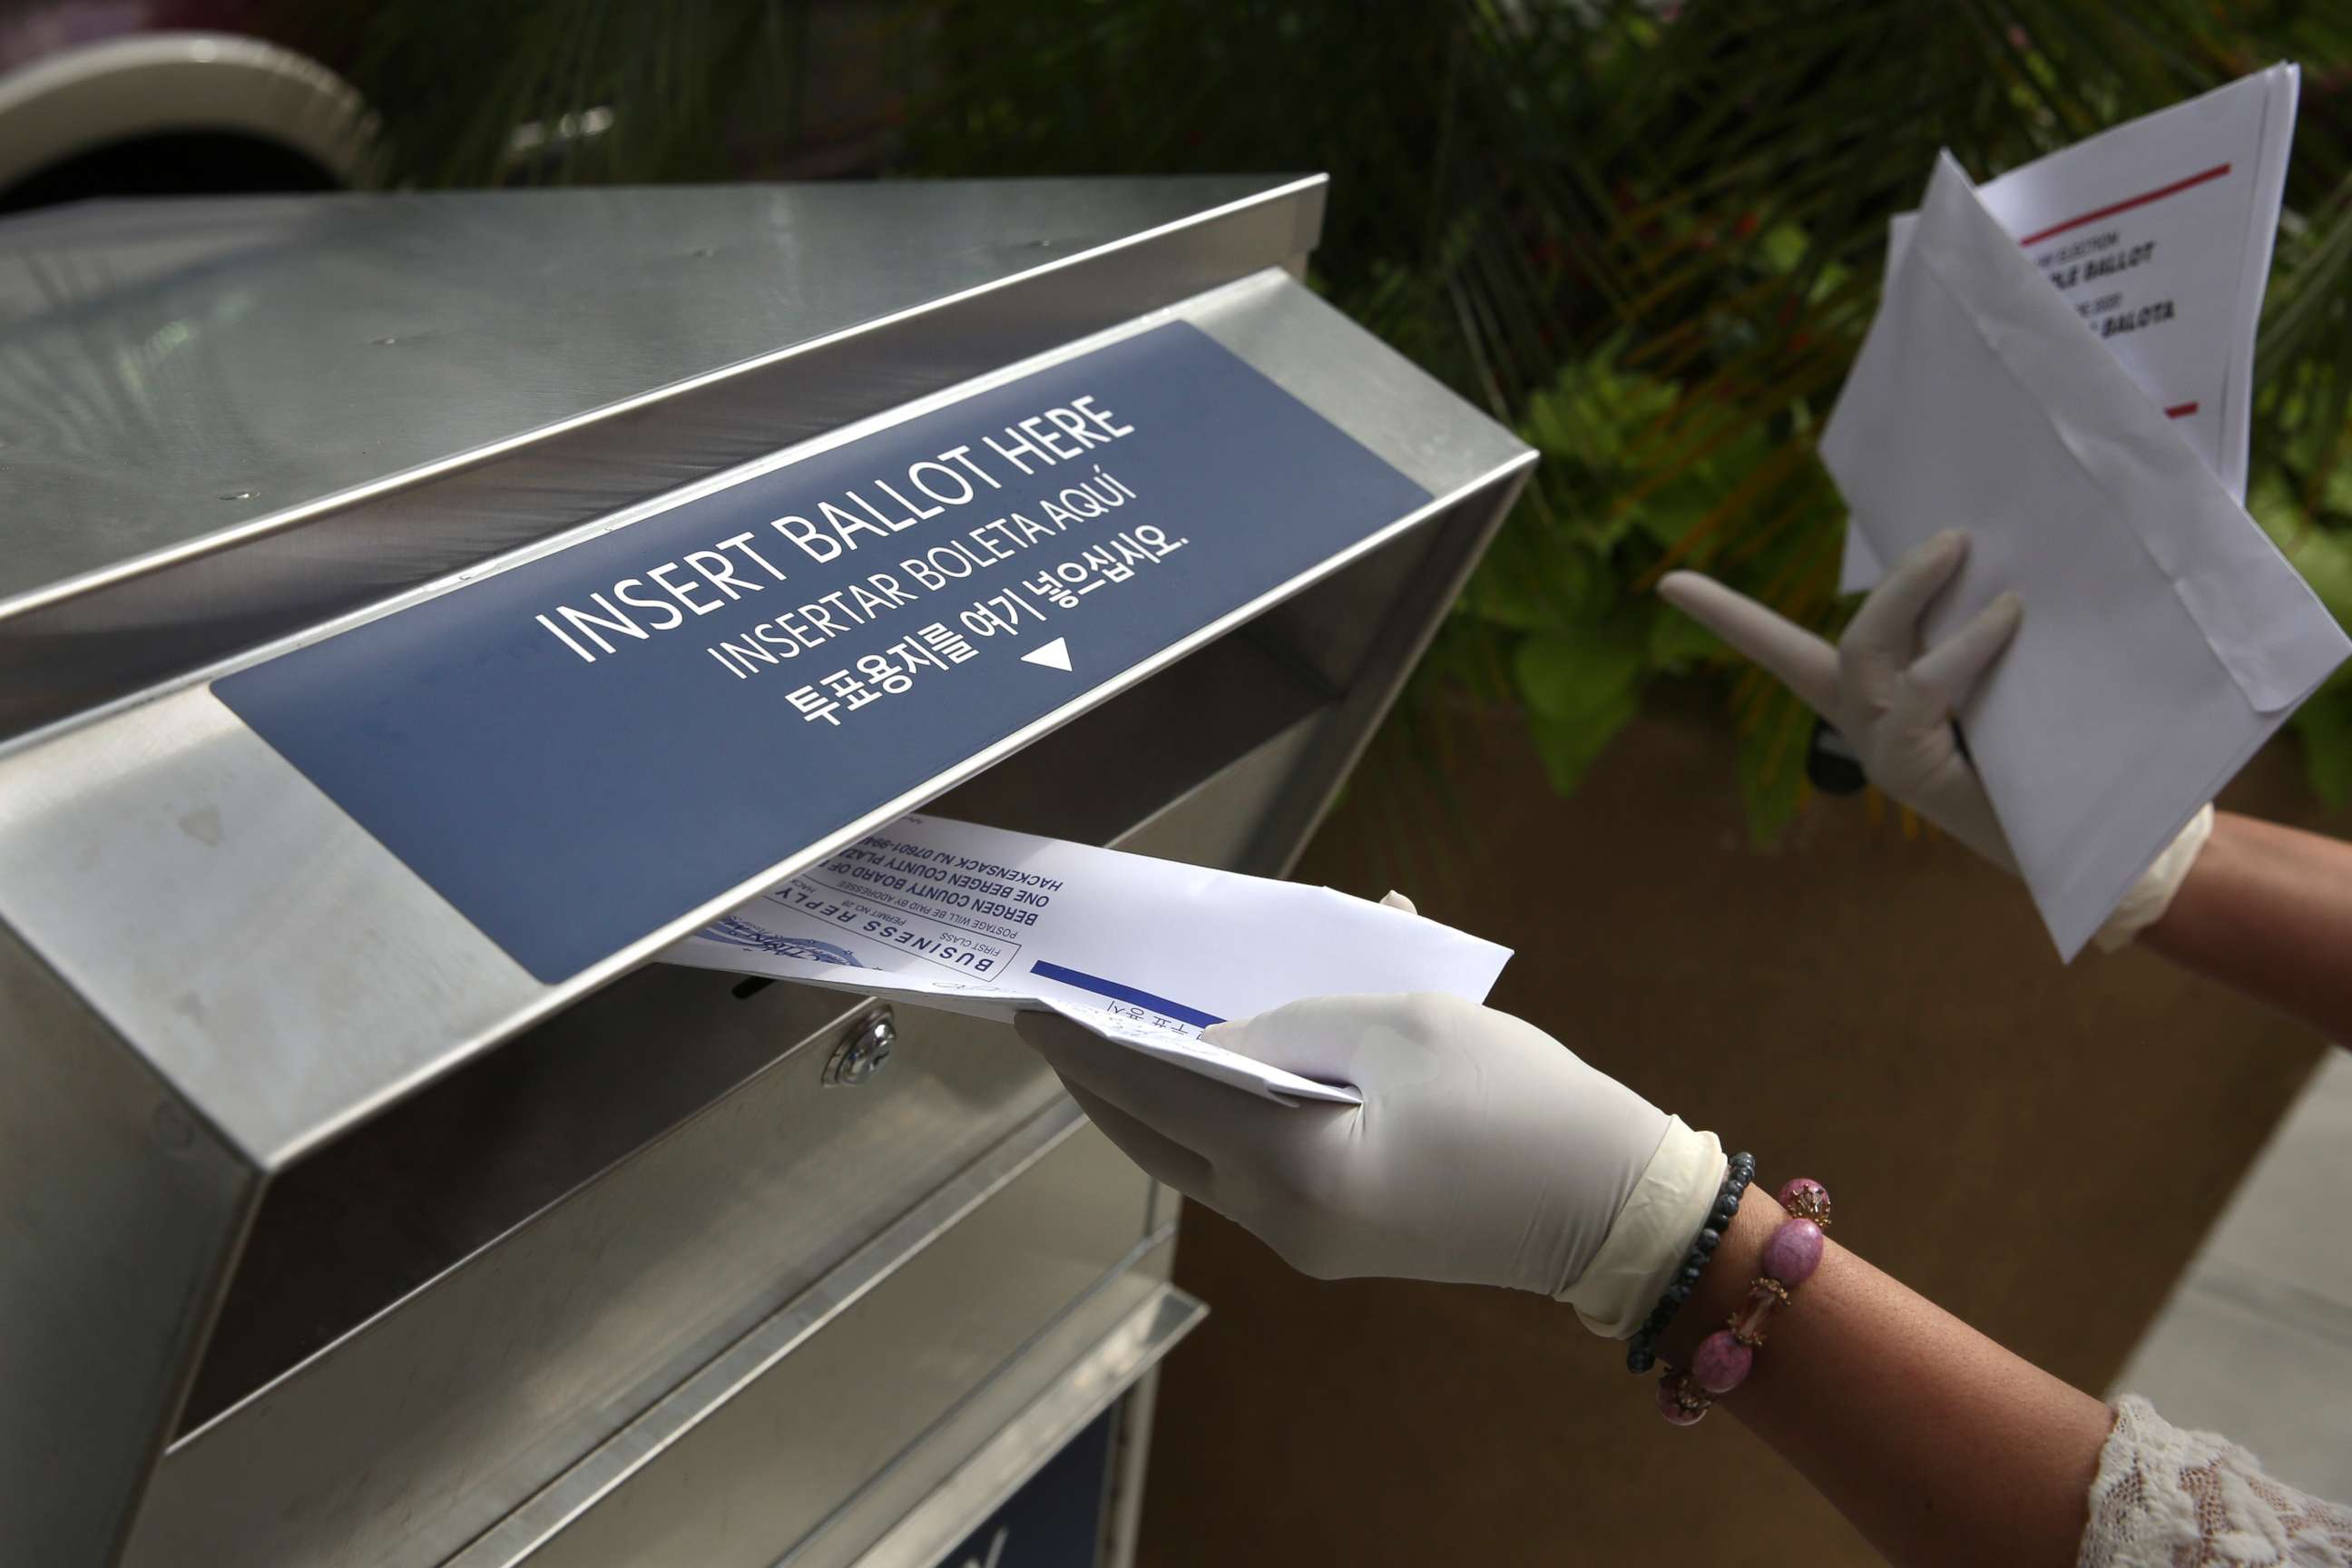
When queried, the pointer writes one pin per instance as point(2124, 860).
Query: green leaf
point(1570, 746)
point(1568, 674)
point(1581, 688)
point(2322, 556)
point(1784, 245)
point(1772, 766)
point(1539, 581)
point(1676, 643)
point(1591, 413)
point(2324, 724)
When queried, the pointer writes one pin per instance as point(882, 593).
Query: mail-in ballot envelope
point(2164, 638)
point(2158, 232)
point(1144, 951)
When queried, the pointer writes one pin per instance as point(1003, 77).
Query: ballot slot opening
point(379, 1213)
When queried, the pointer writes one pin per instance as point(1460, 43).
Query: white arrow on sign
point(1054, 655)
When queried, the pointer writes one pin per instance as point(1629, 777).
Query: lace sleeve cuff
point(2163, 1497)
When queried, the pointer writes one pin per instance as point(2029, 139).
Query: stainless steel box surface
point(333, 1236)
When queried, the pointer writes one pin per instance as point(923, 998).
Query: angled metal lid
point(255, 944)
point(221, 421)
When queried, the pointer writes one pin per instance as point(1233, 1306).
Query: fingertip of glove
point(1947, 550)
point(1675, 587)
point(1992, 627)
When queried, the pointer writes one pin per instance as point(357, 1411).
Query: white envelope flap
point(2259, 617)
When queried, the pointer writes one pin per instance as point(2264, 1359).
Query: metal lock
point(863, 1051)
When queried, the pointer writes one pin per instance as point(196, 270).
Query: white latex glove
point(1893, 702)
point(1483, 1151)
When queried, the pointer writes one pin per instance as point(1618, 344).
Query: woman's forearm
point(2267, 910)
point(1936, 1443)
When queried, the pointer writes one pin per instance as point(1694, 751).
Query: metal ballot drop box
point(367, 1194)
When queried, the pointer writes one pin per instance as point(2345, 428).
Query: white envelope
point(2164, 640)
point(1145, 952)
point(2167, 219)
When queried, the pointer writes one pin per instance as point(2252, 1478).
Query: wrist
point(1651, 1234)
point(2149, 898)
point(1723, 1284)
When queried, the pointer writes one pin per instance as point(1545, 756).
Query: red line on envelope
point(2142, 200)
point(2180, 411)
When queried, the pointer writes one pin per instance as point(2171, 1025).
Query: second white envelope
point(2164, 638)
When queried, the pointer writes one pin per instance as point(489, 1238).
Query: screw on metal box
point(863, 1051)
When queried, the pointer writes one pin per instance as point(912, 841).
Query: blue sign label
point(1054, 1520)
point(576, 751)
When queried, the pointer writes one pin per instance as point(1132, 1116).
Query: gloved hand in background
point(1893, 702)
point(1483, 1151)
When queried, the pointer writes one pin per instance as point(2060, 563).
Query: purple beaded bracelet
point(1724, 1358)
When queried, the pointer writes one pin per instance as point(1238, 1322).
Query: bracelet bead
point(1678, 1406)
point(1725, 1358)
point(1806, 1198)
point(1794, 1252)
point(1747, 1325)
point(1720, 1364)
point(1641, 1351)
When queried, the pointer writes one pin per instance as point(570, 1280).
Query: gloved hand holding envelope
point(2164, 639)
point(1143, 952)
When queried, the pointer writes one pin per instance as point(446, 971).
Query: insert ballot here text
point(1058, 444)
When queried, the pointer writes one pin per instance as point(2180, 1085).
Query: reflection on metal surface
point(1023, 1444)
point(967, 1276)
point(430, 1419)
point(116, 1212)
point(347, 397)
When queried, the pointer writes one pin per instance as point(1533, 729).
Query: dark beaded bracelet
point(1641, 1351)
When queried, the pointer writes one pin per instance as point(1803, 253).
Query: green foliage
point(2318, 539)
point(1582, 684)
point(2325, 725)
point(1652, 245)
point(1646, 237)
